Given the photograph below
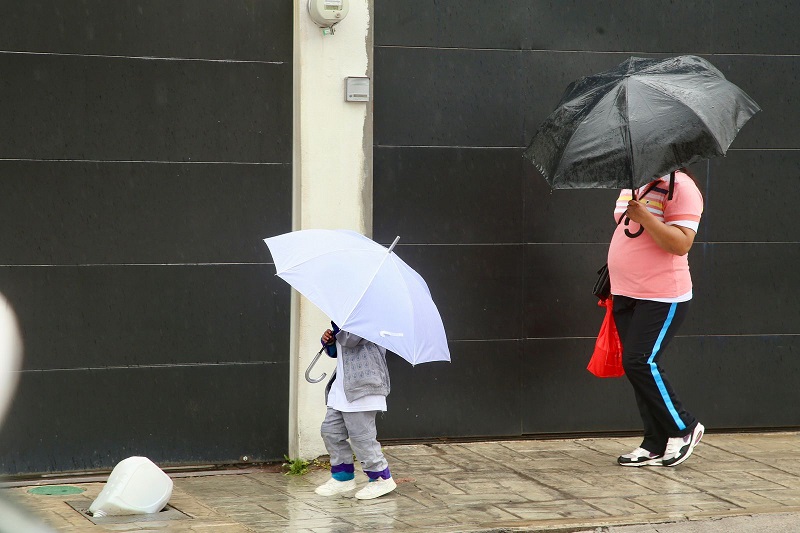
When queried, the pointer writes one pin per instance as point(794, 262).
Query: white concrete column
point(332, 162)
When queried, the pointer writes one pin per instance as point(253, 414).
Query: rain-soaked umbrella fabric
point(639, 121)
point(365, 288)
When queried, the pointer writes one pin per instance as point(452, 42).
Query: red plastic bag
point(606, 361)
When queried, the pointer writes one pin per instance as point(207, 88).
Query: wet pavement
point(732, 481)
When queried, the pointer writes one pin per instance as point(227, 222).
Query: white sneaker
point(376, 488)
point(639, 457)
point(332, 487)
point(680, 448)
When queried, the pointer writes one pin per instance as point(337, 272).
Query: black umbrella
point(639, 121)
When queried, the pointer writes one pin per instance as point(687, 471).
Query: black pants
point(645, 328)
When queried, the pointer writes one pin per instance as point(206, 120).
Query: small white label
point(357, 89)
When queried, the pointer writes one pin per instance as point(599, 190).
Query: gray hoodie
point(365, 369)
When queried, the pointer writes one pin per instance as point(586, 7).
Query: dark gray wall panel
point(746, 288)
point(208, 29)
point(560, 396)
point(145, 152)
point(71, 212)
point(749, 198)
point(101, 108)
point(545, 25)
point(444, 108)
point(558, 300)
point(566, 216)
point(703, 27)
point(746, 27)
point(106, 315)
point(483, 381)
point(477, 289)
point(414, 198)
point(738, 381)
point(92, 419)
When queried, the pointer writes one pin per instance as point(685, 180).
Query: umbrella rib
point(366, 288)
point(681, 102)
point(604, 89)
point(413, 313)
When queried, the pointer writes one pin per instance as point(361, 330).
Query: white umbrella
point(364, 288)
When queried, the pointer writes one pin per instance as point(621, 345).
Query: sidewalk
point(731, 481)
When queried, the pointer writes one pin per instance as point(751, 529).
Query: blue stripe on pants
point(657, 376)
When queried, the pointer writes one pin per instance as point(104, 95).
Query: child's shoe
point(332, 487)
point(376, 488)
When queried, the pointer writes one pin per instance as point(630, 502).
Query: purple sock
point(343, 472)
point(383, 474)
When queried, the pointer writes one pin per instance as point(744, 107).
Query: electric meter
point(327, 13)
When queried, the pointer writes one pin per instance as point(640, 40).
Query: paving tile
point(788, 498)
point(434, 464)
point(433, 521)
point(683, 503)
point(555, 509)
point(531, 490)
point(620, 507)
point(593, 485)
point(497, 498)
point(655, 481)
point(785, 479)
point(747, 499)
point(735, 480)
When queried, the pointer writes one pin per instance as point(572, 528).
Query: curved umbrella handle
point(314, 362)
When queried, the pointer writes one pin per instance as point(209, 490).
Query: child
point(356, 392)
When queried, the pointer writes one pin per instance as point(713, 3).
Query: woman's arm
point(676, 240)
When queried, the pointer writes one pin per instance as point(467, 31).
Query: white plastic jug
point(135, 486)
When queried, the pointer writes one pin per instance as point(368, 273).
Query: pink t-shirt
point(638, 267)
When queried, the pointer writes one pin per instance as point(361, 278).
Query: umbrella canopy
point(364, 288)
point(639, 121)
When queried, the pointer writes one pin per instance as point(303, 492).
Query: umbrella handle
point(313, 362)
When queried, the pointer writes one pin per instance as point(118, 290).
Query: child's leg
point(363, 439)
point(334, 435)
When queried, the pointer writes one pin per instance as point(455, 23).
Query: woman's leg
point(646, 328)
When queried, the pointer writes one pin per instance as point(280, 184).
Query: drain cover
point(55, 490)
point(168, 513)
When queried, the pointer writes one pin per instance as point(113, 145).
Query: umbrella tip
point(394, 243)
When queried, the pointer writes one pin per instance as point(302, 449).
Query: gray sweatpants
point(360, 428)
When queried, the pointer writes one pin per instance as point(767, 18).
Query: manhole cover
point(168, 513)
point(55, 490)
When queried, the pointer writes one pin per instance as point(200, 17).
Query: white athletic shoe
point(332, 487)
point(376, 488)
point(680, 448)
point(639, 457)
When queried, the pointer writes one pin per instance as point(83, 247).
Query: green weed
point(295, 467)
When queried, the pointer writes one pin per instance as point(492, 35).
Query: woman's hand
point(676, 240)
point(327, 337)
point(637, 212)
